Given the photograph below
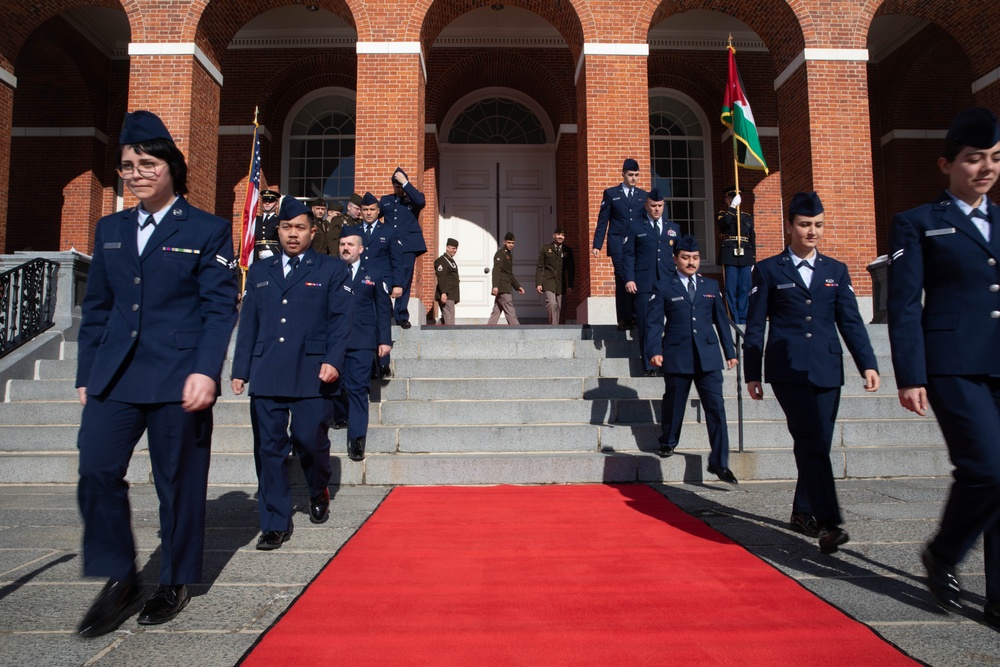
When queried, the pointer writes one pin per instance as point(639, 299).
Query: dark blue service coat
point(802, 344)
point(290, 326)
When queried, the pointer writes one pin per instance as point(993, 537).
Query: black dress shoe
point(356, 449)
point(106, 612)
point(991, 614)
point(405, 324)
point(651, 373)
point(273, 539)
point(319, 507)
point(724, 474)
point(831, 538)
point(622, 326)
point(805, 524)
point(941, 581)
point(340, 424)
point(164, 605)
point(666, 450)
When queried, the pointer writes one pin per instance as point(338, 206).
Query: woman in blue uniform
point(944, 328)
point(807, 297)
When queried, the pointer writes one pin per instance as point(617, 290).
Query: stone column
point(613, 124)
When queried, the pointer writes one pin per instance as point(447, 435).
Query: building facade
point(509, 116)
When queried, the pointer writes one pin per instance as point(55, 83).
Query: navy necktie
point(976, 213)
point(691, 289)
point(292, 263)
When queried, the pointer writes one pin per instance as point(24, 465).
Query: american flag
point(251, 201)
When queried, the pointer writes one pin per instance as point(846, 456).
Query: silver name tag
point(677, 298)
point(112, 246)
point(263, 284)
point(939, 232)
point(786, 286)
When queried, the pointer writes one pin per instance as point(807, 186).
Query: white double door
point(487, 191)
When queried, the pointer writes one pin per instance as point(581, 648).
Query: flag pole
point(736, 177)
point(243, 222)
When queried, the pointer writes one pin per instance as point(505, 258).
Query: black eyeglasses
point(145, 169)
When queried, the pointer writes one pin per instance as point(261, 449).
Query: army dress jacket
point(446, 270)
point(503, 272)
point(290, 326)
point(937, 252)
point(689, 327)
point(327, 238)
point(731, 241)
point(151, 320)
point(802, 324)
point(555, 270)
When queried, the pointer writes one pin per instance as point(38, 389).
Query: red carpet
point(555, 575)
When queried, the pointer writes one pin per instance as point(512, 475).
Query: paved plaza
point(876, 578)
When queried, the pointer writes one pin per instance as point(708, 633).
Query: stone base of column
point(597, 310)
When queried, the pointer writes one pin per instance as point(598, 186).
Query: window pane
point(321, 149)
point(677, 152)
point(497, 121)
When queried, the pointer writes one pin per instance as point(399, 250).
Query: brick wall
point(56, 193)
point(614, 132)
point(831, 115)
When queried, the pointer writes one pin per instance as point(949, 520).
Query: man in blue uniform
point(369, 335)
point(736, 253)
point(290, 346)
point(647, 258)
point(687, 349)
point(621, 205)
point(401, 211)
point(382, 252)
point(157, 317)
point(808, 298)
point(944, 351)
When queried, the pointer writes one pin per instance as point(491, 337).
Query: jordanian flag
point(736, 115)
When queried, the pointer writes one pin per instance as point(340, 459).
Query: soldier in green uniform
point(504, 282)
point(446, 271)
point(554, 273)
point(327, 238)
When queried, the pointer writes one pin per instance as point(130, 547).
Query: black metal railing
point(739, 333)
point(27, 302)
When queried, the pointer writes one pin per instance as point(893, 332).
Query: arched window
point(321, 149)
point(497, 120)
point(677, 150)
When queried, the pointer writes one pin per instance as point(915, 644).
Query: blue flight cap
point(140, 126)
point(368, 199)
point(292, 208)
point(399, 170)
point(630, 165)
point(350, 230)
point(804, 203)
point(654, 195)
point(976, 128)
point(686, 243)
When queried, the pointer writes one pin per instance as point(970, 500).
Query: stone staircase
point(488, 405)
